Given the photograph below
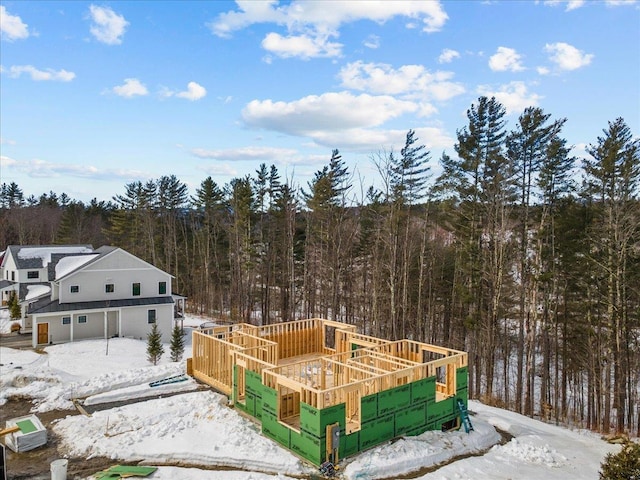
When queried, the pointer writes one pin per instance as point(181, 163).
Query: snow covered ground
point(196, 428)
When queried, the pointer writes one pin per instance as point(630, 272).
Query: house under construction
point(324, 391)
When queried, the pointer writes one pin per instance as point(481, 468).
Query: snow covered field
point(196, 428)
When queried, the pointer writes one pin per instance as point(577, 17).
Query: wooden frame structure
point(320, 363)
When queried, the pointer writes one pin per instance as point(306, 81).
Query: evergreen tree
point(612, 180)
point(15, 312)
point(409, 172)
point(177, 344)
point(624, 465)
point(155, 350)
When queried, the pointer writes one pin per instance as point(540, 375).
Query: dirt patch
point(36, 464)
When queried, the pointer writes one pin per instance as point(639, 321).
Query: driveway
point(12, 340)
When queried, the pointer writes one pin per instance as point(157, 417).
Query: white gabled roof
point(67, 265)
point(44, 253)
point(36, 291)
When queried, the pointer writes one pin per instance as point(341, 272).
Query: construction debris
point(29, 435)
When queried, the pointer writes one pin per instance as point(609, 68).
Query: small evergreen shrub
point(624, 465)
point(15, 312)
point(177, 344)
point(155, 350)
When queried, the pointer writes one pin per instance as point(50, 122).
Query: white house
point(73, 292)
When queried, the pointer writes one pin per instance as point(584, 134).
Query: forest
point(519, 253)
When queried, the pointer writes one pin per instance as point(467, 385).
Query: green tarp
point(26, 426)
point(124, 471)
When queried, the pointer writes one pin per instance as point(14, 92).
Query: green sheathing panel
point(411, 418)
point(349, 444)
point(308, 446)
point(259, 407)
point(377, 431)
point(314, 421)
point(462, 377)
point(440, 412)
point(405, 410)
point(424, 390)
point(253, 382)
point(275, 430)
point(462, 384)
point(269, 401)
point(368, 408)
point(394, 399)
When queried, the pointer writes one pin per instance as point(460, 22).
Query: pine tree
point(15, 311)
point(177, 344)
point(154, 345)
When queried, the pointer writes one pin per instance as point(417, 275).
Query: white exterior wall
point(118, 268)
point(22, 276)
point(8, 267)
point(135, 321)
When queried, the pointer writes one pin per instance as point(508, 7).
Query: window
point(151, 316)
point(136, 289)
point(13, 276)
point(75, 288)
point(109, 288)
point(82, 319)
point(66, 320)
point(33, 274)
point(162, 288)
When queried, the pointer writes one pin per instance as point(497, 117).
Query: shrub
point(624, 465)
point(177, 344)
point(15, 311)
point(16, 327)
point(154, 345)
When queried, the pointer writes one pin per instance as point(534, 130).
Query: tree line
point(506, 254)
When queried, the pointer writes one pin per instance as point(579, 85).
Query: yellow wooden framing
point(295, 359)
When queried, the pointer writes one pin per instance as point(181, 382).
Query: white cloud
point(41, 75)
point(219, 170)
point(7, 161)
point(11, 26)
point(37, 168)
point(506, 59)
point(369, 141)
point(328, 112)
point(514, 96)
point(194, 92)
point(309, 25)
point(302, 46)
point(108, 27)
point(618, 3)
point(448, 55)
point(6, 141)
point(131, 88)
point(567, 57)
point(372, 42)
point(571, 4)
point(412, 81)
point(543, 70)
point(245, 153)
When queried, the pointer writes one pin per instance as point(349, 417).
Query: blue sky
point(98, 95)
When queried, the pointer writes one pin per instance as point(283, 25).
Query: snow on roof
point(67, 265)
point(44, 253)
point(35, 291)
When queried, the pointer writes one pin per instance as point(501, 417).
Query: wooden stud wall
point(342, 377)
